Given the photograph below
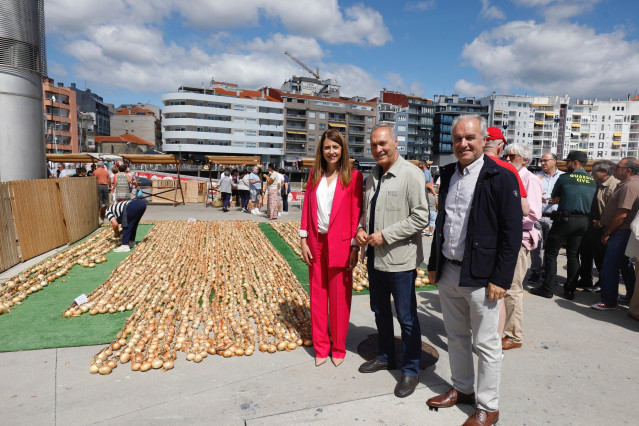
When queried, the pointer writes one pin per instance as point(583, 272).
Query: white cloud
point(467, 88)
point(420, 5)
point(301, 47)
point(324, 19)
point(354, 81)
point(556, 10)
point(490, 12)
point(397, 83)
point(554, 58)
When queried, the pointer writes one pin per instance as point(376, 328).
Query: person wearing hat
point(495, 143)
point(573, 192)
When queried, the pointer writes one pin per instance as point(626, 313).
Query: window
point(251, 121)
point(238, 107)
point(311, 114)
point(600, 145)
point(401, 129)
point(311, 138)
point(311, 126)
point(322, 115)
point(251, 109)
point(322, 126)
point(251, 133)
point(250, 144)
point(369, 119)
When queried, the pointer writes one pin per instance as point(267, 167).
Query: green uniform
point(575, 191)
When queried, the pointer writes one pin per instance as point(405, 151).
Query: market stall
point(72, 158)
point(159, 159)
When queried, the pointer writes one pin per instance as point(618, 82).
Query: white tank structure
point(22, 65)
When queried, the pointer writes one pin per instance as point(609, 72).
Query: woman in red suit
point(330, 216)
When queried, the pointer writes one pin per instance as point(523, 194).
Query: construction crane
point(303, 65)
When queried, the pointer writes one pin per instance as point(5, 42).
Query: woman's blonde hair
point(344, 168)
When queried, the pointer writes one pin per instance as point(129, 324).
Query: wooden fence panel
point(80, 201)
point(8, 238)
point(38, 215)
point(163, 188)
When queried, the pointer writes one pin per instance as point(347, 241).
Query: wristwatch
point(355, 248)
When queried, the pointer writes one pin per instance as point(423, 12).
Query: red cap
point(494, 134)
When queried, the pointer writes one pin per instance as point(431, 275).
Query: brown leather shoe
point(482, 418)
point(450, 398)
point(508, 343)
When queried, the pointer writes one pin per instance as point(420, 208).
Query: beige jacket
point(401, 213)
point(604, 192)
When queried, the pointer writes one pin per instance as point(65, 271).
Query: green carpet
point(38, 322)
point(299, 267)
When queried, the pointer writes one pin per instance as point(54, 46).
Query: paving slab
point(577, 366)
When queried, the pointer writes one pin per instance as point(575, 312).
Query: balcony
point(295, 126)
point(355, 119)
point(356, 130)
point(339, 118)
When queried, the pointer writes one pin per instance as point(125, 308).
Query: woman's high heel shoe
point(337, 361)
point(319, 361)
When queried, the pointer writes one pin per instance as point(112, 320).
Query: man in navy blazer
point(472, 260)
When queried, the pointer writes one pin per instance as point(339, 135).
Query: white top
point(243, 184)
point(325, 194)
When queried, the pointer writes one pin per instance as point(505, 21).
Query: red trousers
point(331, 291)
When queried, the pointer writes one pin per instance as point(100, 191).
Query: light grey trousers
point(471, 320)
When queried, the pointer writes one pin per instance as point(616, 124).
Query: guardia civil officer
point(573, 193)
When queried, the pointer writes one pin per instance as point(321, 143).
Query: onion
point(93, 369)
point(104, 370)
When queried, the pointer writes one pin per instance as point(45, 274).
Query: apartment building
point(392, 110)
point(605, 129)
point(62, 119)
point(138, 121)
point(420, 132)
point(446, 109)
point(93, 103)
point(222, 119)
point(536, 121)
point(307, 117)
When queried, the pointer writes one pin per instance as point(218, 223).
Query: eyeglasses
point(511, 156)
point(545, 161)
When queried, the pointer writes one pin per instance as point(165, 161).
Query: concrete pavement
point(577, 366)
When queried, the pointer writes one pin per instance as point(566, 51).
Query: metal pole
point(55, 145)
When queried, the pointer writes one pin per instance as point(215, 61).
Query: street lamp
point(55, 146)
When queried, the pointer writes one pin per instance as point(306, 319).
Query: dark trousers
point(284, 202)
point(400, 285)
point(134, 211)
point(103, 195)
point(226, 199)
point(244, 196)
point(616, 262)
point(571, 230)
point(590, 249)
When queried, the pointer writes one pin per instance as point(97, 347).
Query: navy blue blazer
point(494, 233)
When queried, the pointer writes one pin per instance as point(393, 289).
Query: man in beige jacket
point(395, 210)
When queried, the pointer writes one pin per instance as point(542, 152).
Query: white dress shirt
point(325, 194)
point(458, 202)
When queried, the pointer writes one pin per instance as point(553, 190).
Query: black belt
point(454, 262)
point(546, 214)
point(103, 184)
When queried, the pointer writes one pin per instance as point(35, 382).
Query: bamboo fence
point(39, 215)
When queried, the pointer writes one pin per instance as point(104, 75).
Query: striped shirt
point(115, 210)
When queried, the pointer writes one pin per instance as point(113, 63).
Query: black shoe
point(569, 293)
point(534, 278)
point(406, 386)
point(540, 291)
point(375, 365)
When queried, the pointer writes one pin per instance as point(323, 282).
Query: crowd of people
point(249, 190)
point(487, 214)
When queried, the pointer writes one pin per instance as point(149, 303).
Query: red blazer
point(342, 225)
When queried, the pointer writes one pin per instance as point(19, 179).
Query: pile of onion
point(87, 254)
point(203, 288)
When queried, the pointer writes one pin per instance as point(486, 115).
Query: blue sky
point(132, 51)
